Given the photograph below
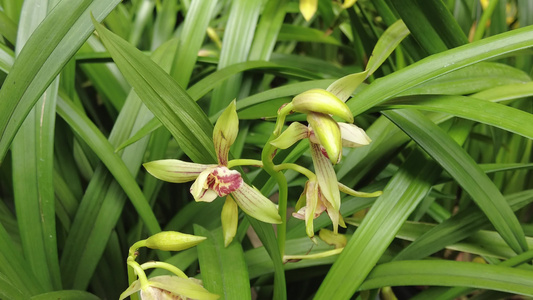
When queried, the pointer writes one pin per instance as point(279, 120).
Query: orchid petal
point(327, 180)
point(327, 131)
point(310, 210)
point(338, 240)
point(185, 287)
point(295, 132)
point(355, 193)
point(216, 181)
point(345, 86)
point(323, 102)
point(133, 288)
point(229, 218)
point(173, 170)
point(253, 203)
point(225, 132)
point(353, 136)
point(308, 8)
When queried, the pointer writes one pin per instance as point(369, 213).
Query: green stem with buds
point(267, 157)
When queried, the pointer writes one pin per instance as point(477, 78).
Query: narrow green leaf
point(465, 171)
point(451, 273)
point(498, 115)
point(400, 197)
point(164, 97)
point(456, 228)
point(32, 154)
point(431, 24)
point(66, 27)
point(238, 36)
point(66, 295)
point(99, 144)
point(440, 64)
point(223, 269)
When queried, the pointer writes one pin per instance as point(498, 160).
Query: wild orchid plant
point(322, 190)
point(321, 193)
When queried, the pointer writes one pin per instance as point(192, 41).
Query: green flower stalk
point(212, 181)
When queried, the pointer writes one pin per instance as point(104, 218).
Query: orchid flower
point(212, 181)
point(327, 137)
point(169, 287)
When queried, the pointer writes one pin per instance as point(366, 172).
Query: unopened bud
point(321, 101)
point(173, 241)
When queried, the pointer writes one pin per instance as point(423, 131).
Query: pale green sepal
point(295, 132)
point(355, 193)
point(348, 3)
point(225, 132)
point(328, 133)
point(321, 101)
point(336, 239)
point(229, 218)
point(345, 86)
point(326, 178)
point(308, 8)
point(253, 203)
point(388, 41)
point(187, 288)
point(353, 136)
point(172, 241)
point(133, 288)
point(318, 255)
point(200, 190)
point(173, 170)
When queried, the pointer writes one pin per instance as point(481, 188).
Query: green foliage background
point(449, 113)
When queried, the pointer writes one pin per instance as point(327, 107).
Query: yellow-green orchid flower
point(169, 287)
point(212, 181)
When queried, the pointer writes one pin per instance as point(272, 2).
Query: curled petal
point(173, 170)
point(323, 102)
point(327, 131)
point(225, 132)
point(215, 181)
point(295, 132)
point(313, 206)
point(353, 136)
point(326, 178)
point(338, 240)
point(355, 193)
point(229, 218)
point(188, 288)
point(253, 203)
point(308, 8)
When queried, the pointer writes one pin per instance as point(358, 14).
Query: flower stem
point(166, 266)
point(267, 157)
point(244, 162)
point(297, 168)
point(140, 273)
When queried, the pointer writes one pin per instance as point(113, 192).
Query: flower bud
point(225, 132)
point(328, 133)
point(321, 101)
point(172, 241)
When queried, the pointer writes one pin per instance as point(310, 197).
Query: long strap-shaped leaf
point(465, 171)
point(50, 47)
point(451, 273)
point(439, 64)
point(498, 115)
point(164, 97)
point(224, 271)
point(400, 197)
